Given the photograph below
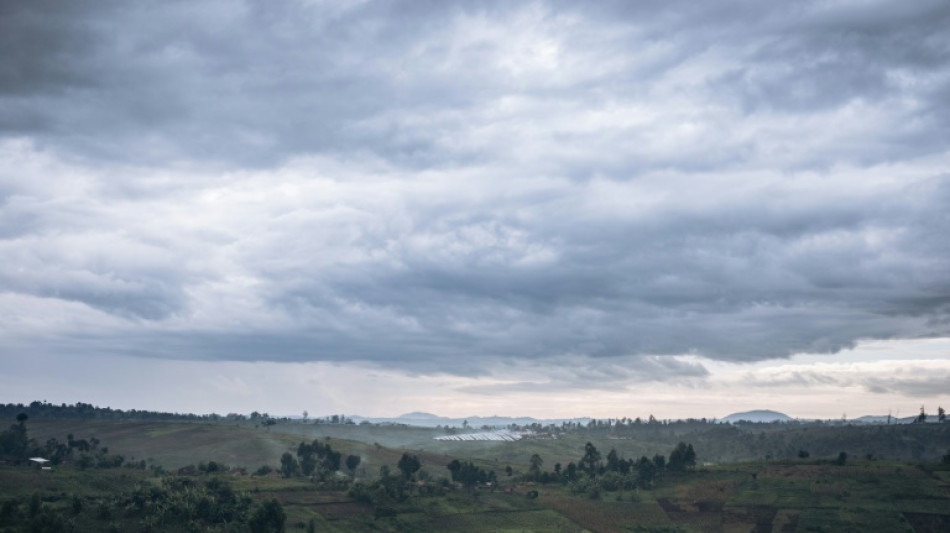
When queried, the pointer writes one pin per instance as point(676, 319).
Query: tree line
point(16, 446)
point(79, 410)
point(594, 472)
point(316, 459)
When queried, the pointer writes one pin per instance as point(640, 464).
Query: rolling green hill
point(822, 492)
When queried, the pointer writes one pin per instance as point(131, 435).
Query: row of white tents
point(503, 435)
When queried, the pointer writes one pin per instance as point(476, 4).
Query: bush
point(269, 517)
point(104, 511)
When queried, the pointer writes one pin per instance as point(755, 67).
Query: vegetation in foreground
point(331, 484)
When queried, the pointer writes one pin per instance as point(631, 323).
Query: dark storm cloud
point(441, 186)
point(256, 82)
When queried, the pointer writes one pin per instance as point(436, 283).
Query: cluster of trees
point(594, 472)
point(922, 417)
point(316, 459)
point(79, 410)
point(470, 475)
point(612, 425)
point(177, 504)
point(391, 489)
point(33, 516)
point(17, 446)
point(408, 465)
point(681, 428)
point(14, 442)
point(332, 419)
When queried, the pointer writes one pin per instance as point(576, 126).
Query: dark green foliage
point(646, 473)
point(288, 465)
point(85, 461)
point(35, 504)
point(46, 521)
point(534, 468)
point(682, 457)
point(212, 467)
point(842, 459)
point(468, 474)
point(352, 461)
point(613, 461)
point(44, 410)
point(307, 457)
point(106, 460)
point(570, 473)
point(9, 512)
point(613, 481)
point(104, 510)
point(183, 501)
point(269, 517)
point(317, 458)
point(384, 511)
point(77, 505)
point(408, 465)
point(14, 441)
point(591, 460)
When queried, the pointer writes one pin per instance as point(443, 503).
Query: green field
point(787, 495)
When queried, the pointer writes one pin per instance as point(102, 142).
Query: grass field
point(748, 497)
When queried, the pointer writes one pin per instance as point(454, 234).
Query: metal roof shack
point(41, 462)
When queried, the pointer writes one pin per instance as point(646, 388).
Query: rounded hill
point(760, 416)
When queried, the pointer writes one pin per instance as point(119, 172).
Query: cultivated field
point(789, 495)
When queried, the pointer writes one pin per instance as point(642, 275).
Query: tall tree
point(682, 457)
point(268, 518)
point(535, 465)
point(591, 458)
point(306, 455)
point(613, 460)
point(288, 465)
point(352, 461)
point(646, 472)
point(408, 465)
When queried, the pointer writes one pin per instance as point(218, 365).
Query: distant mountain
point(421, 419)
point(874, 419)
point(418, 415)
point(760, 416)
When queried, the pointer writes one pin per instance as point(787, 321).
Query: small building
point(42, 463)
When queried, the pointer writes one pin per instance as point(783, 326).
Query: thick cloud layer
point(443, 186)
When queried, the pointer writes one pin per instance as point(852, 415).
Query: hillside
point(845, 484)
point(758, 416)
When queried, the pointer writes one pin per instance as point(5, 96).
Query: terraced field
point(813, 495)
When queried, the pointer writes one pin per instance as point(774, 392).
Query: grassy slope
point(176, 444)
point(798, 496)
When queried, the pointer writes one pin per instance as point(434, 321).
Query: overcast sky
point(553, 209)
